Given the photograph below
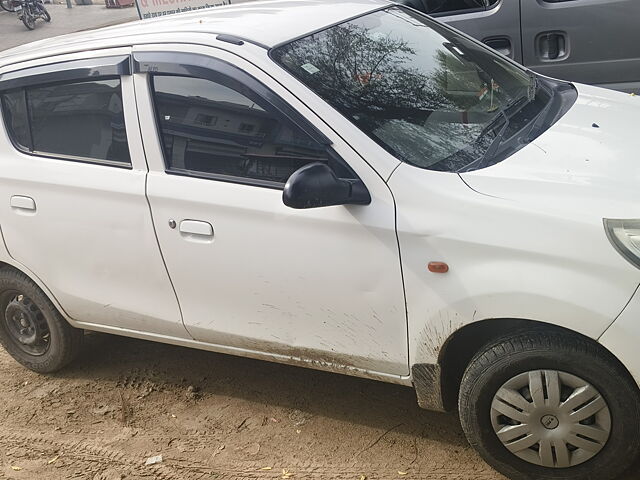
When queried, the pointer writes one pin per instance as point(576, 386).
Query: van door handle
point(500, 44)
point(21, 202)
point(552, 45)
point(196, 227)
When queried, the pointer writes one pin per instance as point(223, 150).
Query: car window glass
point(428, 96)
point(209, 128)
point(456, 6)
point(14, 109)
point(82, 119)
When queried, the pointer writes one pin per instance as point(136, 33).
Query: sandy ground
point(215, 416)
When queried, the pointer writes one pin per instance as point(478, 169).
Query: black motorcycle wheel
point(45, 14)
point(6, 5)
point(28, 19)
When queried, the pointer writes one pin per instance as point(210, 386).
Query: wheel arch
point(437, 385)
point(10, 264)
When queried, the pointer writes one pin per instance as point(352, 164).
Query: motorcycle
point(30, 10)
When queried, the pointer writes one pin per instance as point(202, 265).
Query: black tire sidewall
point(45, 13)
point(620, 396)
point(60, 331)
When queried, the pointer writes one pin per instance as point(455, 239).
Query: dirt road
point(217, 417)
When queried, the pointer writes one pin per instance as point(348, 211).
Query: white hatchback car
point(346, 185)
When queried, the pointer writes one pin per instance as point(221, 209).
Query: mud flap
point(427, 380)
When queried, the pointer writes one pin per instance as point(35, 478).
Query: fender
point(8, 260)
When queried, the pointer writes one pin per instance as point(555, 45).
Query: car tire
point(32, 330)
point(553, 417)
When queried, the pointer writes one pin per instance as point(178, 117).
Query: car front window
point(427, 95)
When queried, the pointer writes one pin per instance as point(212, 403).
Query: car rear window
point(14, 107)
point(75, 121)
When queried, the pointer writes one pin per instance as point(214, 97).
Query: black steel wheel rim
point(25, 323)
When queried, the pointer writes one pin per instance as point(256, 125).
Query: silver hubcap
point(551, 418)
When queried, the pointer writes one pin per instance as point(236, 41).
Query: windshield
point(427, 95)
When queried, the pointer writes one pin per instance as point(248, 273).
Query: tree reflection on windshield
point(420, 91)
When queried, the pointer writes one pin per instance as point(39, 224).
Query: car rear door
point(588, 41)
point(319, 286)
point(73, 208)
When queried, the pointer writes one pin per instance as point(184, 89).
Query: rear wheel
point(550, 407)
point(31, 329)
point(45, 13)
point(6, 5)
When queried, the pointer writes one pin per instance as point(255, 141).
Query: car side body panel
point(506, 261)
point(323, 285)
point(621, 338)
point(89, 236)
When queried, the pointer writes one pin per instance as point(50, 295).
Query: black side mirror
point(316, 185)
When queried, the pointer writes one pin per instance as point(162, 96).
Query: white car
point(343, 185)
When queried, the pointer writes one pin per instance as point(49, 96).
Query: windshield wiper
point(493, 146)
point(497, 140)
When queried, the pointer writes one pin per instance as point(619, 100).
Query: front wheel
point(45, 13)
point(28, 19)
point(551, 406)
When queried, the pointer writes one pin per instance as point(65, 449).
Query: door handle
point(552, 45)
point(196, 227)
point(21, 202)
point(500, 44)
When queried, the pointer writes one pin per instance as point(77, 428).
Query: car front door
point(72, 198)
point(588, 41)
point(318, 286)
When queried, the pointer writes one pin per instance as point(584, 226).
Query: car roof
point(266, 23)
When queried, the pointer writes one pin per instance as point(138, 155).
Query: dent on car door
point(72, 200)
point(320, 286)
point(588, 41)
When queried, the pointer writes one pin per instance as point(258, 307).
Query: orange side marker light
point(438, 267)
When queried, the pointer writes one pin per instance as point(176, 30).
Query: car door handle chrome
point(23, 203)
point(196, 227)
